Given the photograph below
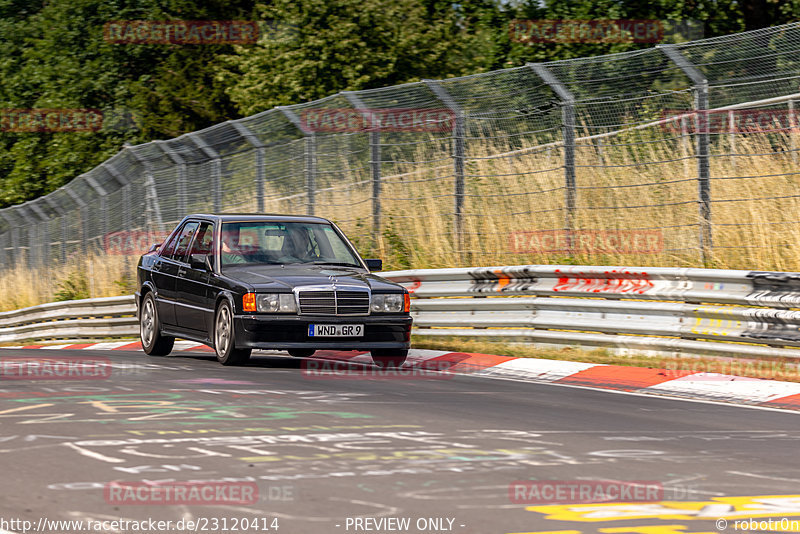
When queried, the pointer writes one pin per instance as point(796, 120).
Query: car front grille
point(334, 302)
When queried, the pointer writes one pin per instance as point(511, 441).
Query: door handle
point(157, 266)
point(181, 271)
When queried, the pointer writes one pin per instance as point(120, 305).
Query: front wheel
point(389, 358)
point(153, 343)
point(224, 338)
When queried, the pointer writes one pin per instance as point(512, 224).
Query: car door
point(165, 272)
point(164, 283)
point(192, 292)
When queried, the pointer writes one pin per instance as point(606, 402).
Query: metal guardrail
point(663, 310)
point(72, 319)
point(656, 309)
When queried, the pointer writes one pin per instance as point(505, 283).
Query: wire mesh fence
point(679, 155)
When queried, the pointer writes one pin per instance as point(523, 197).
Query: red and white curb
point(686, 384)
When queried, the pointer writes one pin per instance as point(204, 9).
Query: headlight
point(387, 303)
point(276, 303)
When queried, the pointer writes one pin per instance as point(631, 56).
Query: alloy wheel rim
point(147, 322)
point(223, 330)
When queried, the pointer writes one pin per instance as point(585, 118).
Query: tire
point(224, 338)
point(301, 353)
point(153, 343)
point(389, 358)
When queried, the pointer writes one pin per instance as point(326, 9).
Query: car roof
point(257, 217)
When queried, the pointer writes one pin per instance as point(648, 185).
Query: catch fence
point(680, 155)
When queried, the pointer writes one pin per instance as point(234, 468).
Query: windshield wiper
point(339, 264)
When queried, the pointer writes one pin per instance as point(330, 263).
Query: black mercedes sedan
point(243, 282)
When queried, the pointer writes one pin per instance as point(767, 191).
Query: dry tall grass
point(93, 276)
point(644, 183)
point(647, 181)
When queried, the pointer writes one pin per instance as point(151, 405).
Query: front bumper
point(291, 332)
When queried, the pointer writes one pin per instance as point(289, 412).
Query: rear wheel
point(302, 353)
point(389, 358)
point(153, 343)
point(224, 339)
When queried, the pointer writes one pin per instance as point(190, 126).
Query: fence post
point(13, 231)
point(125, 186)
point(29, 228)
point(103, 202)
point(310, 156)
point(568, 136)
point(599, 148)
point(311, 172)
point(15, 244)
point(126, 207)
point(732, 137)
point(30, 225)
point(253, 139)
point(216, 178)
point(702, 139)
point(181, 185)
point(458, 159)
point(151, 193)
point(44, 232)
point(84, 218)
point(6, 263)
point(374, 163)
point(63, 216)
point(792, 131)
point(685, 146)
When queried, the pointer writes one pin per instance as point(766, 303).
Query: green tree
point(54, 56)
point(320, 47)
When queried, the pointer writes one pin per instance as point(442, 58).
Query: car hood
point(276, 277)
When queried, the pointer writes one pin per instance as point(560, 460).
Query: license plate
point(335, 330)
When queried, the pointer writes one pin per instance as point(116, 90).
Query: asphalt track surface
point(366, 453)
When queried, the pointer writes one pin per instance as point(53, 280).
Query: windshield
point(284, 243)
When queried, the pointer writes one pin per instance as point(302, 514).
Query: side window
point(169, 248)
point(202, 240)
point(184, 238)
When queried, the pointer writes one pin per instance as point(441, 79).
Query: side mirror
point(374, 265)
point(153, 247)
point(199, 261)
